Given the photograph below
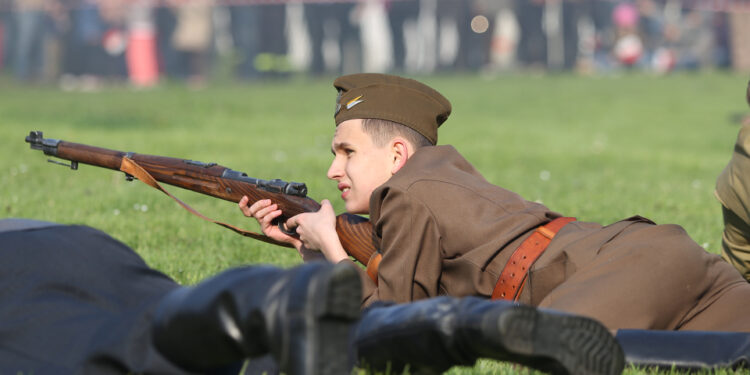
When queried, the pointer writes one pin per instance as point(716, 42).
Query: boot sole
point(559, 343)
point(335, 305)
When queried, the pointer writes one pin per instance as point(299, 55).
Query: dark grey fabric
point(75, 300)
point(685, 350)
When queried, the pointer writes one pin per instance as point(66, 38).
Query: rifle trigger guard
point(285, 230)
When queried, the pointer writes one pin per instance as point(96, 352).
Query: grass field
point(600, 149)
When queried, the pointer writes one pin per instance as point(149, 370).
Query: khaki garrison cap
point(392, 98)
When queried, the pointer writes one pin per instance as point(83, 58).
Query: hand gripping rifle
point(355, 232)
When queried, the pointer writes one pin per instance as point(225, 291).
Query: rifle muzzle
point(38, 142)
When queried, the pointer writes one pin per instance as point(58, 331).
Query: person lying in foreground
point(75, 300)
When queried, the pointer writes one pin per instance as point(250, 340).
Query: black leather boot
point(685, 350)
point(302, 316)
point(432, 335)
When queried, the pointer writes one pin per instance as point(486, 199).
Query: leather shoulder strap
point(513, 277)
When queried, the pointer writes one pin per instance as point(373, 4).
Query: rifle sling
point(132, 168)
point(372, 267)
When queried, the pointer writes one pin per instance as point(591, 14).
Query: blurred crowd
point(82, 43)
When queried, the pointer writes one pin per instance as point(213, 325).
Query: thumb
point(292, 222)
point(325, 204)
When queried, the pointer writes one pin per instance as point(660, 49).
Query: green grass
point(600, 149)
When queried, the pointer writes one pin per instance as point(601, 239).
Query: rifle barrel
point(355, 232)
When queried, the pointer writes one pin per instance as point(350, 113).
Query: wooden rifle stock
point(355, 232)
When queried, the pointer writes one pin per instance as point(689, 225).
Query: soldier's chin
point(355, 209)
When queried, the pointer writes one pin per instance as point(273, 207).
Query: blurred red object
point(141, 58)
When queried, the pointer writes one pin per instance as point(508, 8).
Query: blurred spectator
point(572, 13)
point(476, 30)
point(722, 42)
point(533, 43)
point(628, 43)
point(29, 17)
point(84, 55)
point(695, 39)
point(739, 26)
point(53, 47)
point(314, 17)
point(192, 38)
point(334, 37)
point(375, 38)
point(272, 60)
point(5, 31)
point(604, 34)
point(114, 38)
point(453, 22)
point(651, 25)
point(245, 21)
point(86, 41)
point(504, 45)
point(399, 13)
point(166, 22)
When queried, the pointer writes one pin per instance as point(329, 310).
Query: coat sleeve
point(410, 244)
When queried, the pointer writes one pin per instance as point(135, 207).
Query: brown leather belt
point(513, 277)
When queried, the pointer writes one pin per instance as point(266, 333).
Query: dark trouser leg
point(435, 334)
point(685, 350)
point(301, 316)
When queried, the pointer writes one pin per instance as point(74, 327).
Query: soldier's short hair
point(382, 131)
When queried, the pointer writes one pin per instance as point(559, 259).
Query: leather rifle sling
point(513, 277)
point(132, 168)
point(372, 266)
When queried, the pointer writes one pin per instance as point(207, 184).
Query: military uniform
point(442, 229)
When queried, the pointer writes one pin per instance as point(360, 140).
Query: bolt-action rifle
point(215, 180)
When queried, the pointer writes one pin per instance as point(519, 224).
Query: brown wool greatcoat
point(444, 230)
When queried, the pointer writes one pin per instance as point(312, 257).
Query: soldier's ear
point(400, 151)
